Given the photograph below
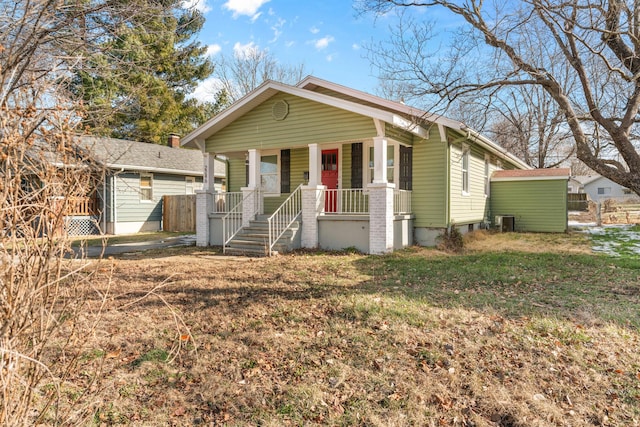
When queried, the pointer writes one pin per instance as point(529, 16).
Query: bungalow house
point(137, 176)
point(319, 165)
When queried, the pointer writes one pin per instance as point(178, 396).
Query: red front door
point(330, 178)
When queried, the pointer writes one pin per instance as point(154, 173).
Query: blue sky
point(327, 36)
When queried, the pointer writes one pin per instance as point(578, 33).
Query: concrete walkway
point(94, 251)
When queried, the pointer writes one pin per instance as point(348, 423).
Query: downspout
point(104, 204)
point(115, 200)
point(447, 193)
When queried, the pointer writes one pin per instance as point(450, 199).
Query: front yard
point(520, 330)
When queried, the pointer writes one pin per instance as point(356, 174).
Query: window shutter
point(356, 165)
point(406, 168)
point(285, 171)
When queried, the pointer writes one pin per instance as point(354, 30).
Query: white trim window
point(391, 163)
point(190, 185)
point(465, 170)
point(270, 173)
point(146, 187)
point(487, 183)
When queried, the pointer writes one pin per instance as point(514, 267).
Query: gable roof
point(352, 100)
point(142, 156)
point(586, 179)
point(531, 174)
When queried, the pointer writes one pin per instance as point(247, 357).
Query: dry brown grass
point(483, 241)
point(339, 339)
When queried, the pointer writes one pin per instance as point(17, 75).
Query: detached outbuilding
point(532, 200)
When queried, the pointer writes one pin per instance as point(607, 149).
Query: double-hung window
point(486, 176)
point(465, 170)
point(391, 161)
point(269, 174)
point(146, 187)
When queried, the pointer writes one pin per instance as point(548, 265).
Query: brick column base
point(249, 203)
point(204, 205)
point(381, 218)
point(312, 205)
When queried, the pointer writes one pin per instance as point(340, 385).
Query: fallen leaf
point(180, 411)
point(113, 354)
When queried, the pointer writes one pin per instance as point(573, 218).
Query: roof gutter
point(158, 170)
point(493, 147)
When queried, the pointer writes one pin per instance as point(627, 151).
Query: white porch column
point(209, 172)
point(312, 205)
point(315, 177)
point(380, 159)
point(254, 169)
point(381, 217)
point(204, 205)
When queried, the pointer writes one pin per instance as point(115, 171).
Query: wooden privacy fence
point(179, 213)
point(577, 202)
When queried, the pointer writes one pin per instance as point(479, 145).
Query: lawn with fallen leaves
point(519, 330)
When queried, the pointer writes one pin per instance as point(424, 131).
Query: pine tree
point(134, 83)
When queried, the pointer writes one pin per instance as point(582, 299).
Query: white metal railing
point(232, 221)
point(225, 202)
point(284, 216)
point(351, 201)
point(401, 202)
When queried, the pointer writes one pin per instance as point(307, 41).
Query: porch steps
point(254, 240)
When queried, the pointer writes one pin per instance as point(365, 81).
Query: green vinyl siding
point(538, 205)
point(299, 165)
point(237, 174)
point(307, 122)
point(473, 206)
point(429, 196)
point(346, 166)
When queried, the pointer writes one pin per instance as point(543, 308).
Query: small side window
point(146, 187)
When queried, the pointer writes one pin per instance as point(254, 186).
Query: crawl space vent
point(280, 110)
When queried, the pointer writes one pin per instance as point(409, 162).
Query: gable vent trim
point(280, 110)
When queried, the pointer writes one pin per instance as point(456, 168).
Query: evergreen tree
point(134, 82)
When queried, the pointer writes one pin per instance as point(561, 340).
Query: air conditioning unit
point(505, 223)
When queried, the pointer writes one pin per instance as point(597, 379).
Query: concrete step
point(254, 239)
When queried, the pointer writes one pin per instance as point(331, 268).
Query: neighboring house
point(597, 187)
point(342, 168)
point(137, 176)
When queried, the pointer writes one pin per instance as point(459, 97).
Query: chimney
point(174, 140)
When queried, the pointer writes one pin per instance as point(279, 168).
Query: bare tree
point(43, 172)
point(545, 44)
point(249, 68)
point(528, 123)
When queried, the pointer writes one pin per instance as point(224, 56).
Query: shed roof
point(531, 174)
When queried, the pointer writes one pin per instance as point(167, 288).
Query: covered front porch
point(323, 211)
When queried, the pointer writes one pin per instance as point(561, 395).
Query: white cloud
point(255, 17)
point(329, 58)
point(314, 30)
point(355, 46)
point(244, 7)
point(207, 89)
point(213, 49)
point(277, 30)
point(200, 5)
point(323, 42)
point(244, 50)
point(290, 43)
